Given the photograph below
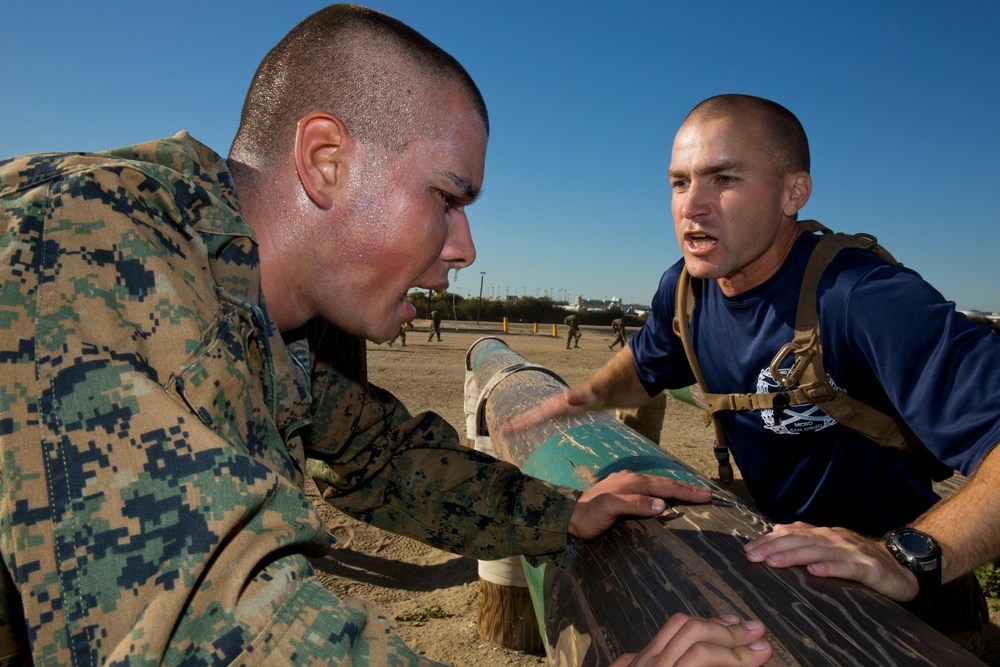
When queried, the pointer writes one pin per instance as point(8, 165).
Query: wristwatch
point(920, 554)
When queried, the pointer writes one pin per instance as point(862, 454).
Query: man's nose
point(694, 202)
point(459, 250)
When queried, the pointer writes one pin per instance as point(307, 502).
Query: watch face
point(915, 543)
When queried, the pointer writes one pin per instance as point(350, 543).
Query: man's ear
point(798, 187)
point(322, 147)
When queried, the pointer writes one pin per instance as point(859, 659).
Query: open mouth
point(699, 243)
point(411, 311)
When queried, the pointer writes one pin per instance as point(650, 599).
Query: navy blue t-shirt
point(882, 326)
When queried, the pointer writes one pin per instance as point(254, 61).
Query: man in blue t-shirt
point(740, 175)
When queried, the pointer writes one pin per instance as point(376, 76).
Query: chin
point(699, 269)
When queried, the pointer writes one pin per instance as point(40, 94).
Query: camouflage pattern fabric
point(155, 430)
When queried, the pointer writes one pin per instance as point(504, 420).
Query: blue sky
point(901, 102)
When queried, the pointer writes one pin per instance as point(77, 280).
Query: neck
point(268, 213)
point(765, 266)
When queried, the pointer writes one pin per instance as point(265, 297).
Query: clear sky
point(901, 102)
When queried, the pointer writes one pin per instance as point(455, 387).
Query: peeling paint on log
point(601, 598)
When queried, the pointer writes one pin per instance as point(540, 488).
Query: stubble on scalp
point(783, 138)
point(379, 76)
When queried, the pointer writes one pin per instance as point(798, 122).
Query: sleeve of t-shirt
point(937, 367)
point(658, 352)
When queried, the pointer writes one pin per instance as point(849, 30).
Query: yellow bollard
point(536, 328)
point(505, 325)
point(555, 331)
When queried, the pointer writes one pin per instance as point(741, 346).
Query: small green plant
point(420, 616)
point(989, 578)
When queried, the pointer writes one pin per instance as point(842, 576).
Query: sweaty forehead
point(703, 141)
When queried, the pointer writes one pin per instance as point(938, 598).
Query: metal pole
point(479, 306)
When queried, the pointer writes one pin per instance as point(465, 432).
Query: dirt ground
point(405, 578)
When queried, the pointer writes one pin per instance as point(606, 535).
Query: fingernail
point(752, 625)
point(658, 505)
point(758, 645)
point(729, 618)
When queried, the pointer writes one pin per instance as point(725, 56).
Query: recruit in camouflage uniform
point(156, 428)
point(618, 327)
point(573, 323)
point(435, 325)
point(401, 335)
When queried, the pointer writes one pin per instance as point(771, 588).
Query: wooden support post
point(596, 600)
point(506, 614)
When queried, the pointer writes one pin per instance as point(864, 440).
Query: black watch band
point(920, 554)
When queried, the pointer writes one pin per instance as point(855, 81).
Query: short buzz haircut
point(378, 75)
point(785, 137)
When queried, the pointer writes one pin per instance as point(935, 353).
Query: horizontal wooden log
point(601, 598)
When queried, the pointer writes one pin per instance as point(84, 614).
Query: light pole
point(479, 307)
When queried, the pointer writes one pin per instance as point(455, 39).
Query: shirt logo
point(795, 419)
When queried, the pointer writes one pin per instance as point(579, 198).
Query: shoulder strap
point(684, 306)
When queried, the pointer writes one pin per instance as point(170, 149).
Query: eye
point(679, 185)
point(449, 202)
point(725, 179)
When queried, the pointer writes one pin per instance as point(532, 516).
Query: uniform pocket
point(222, 384)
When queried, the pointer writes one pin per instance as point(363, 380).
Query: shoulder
point(176, 182)
point(858, 278)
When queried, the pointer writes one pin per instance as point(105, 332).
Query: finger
point(841, 561)
point(778, 531)
point(664, 487)
point(693, 641)
point(595, 514)
point(626, 493)
point(703, 642)
point(569, 402)
point(752, 655)
point(777, 545)
point(623, 660)
point(628, 481)
point(668, 631)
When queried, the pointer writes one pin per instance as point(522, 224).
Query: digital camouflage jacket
point(155, 431)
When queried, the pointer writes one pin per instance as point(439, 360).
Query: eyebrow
point(469, 192)
point(728, 165)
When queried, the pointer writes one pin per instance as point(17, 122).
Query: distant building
point(993, 317)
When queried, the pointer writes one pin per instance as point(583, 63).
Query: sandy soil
point(405, 578)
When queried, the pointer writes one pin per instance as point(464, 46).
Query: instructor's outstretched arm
point(616, 385)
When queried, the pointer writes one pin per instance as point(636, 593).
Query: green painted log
point(598, 599)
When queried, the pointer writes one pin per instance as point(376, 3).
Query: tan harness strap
point(682, 327)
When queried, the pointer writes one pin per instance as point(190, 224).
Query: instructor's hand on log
point(626, 493)
point(572, 401)
point(687, 641)
point(835, 552)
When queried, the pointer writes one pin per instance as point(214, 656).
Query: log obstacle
point(596, 600)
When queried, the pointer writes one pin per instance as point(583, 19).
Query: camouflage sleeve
point(147, 515)
point(409, 474)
